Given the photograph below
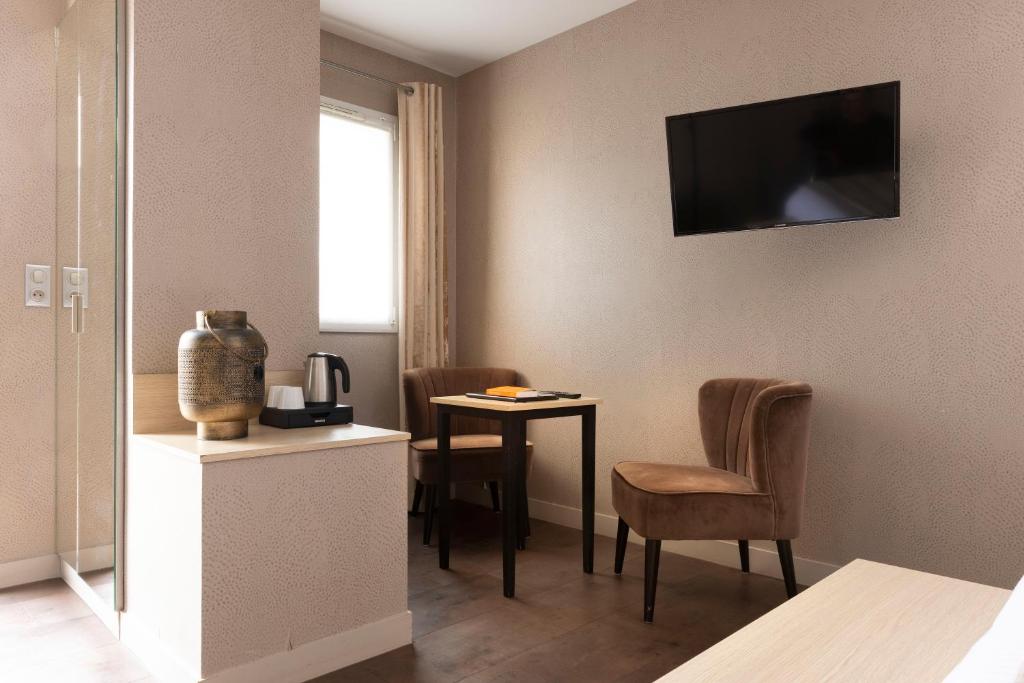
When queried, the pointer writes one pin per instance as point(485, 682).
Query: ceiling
point(456, 36)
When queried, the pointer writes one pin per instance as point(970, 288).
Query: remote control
point(563, 394)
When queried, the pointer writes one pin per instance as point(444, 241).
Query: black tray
point(306, 417)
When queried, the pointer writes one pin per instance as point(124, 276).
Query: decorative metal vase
point(220, 374)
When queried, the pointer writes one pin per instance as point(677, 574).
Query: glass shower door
point(89, 302)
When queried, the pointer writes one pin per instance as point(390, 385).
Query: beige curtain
point(423, 290)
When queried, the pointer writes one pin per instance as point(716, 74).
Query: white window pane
point(357, 225)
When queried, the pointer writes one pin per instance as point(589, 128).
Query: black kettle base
point(310, 416)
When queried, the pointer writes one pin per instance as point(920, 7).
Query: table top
point(866, 622)
point(264, 440)
point(508, 406)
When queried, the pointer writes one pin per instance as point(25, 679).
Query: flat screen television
point(820, 158)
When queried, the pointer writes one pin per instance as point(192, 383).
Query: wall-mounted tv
point(820, 158)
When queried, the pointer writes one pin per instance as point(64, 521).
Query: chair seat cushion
point(475, 457)
point(686, 502)
point(656, 477)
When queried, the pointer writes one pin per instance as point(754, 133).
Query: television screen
point(813, 159)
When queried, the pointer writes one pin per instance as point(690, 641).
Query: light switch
point(37, 285)
point(75, 281)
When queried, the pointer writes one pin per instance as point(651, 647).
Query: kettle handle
point(338, 363)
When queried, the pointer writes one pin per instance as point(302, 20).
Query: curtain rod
point(407, 89)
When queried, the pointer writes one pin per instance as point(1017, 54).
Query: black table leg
point(510, 432)
point(589, 436)
point(522, 507)
point(444, 507)
point(515, 515)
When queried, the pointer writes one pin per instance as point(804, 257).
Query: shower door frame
point(109, 614)
point(121, 338)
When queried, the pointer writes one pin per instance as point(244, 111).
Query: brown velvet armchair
point(755, 434)
point(476, 453)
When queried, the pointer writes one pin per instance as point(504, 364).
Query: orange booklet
point(513, 392)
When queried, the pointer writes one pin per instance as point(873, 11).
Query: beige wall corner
point(908, 330)
point(376, 355)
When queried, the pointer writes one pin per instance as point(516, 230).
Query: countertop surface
point(264, 440)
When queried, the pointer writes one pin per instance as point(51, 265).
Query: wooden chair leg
point(745, 556)
point(788, 572)
point(495, 502)
point(652, 553)
point(428, 513)
point(620, 545)
point(417, 494)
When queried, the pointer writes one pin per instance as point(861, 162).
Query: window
point(358, 219)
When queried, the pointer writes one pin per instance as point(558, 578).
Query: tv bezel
point(895, 85)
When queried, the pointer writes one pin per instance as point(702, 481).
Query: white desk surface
point(866, 622)
point(509, 406)
point(264, 440)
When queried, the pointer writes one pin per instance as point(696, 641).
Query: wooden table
point(866, 622)
point(513, 418)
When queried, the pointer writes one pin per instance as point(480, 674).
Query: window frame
point(383, 121)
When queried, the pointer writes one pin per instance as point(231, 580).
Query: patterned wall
point(27, 138)
point(225, 162)
point(300, 547)
point(910, 331)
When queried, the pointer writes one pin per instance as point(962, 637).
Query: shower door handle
point(77, 313)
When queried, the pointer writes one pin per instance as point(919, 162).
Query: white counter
point(278, 557)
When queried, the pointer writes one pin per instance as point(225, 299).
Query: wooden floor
point(562, 626)
point(48, 634)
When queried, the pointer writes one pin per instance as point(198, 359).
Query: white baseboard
point(303, 663)
point(90, 559)
point(104, 610)
point(323, 656)
point(29, 570)
point(97, 557)
point(164, 665)
point(762, 560)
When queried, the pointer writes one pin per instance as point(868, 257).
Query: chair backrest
point(420, 384)
point(760, 428)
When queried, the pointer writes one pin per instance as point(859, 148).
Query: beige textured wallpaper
point(27, 141)
point(314, 580)
point(225, 167)
point(910, 331)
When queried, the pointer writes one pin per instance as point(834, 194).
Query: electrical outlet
point(38, 284)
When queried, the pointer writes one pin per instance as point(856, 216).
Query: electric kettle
point(319, 388)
